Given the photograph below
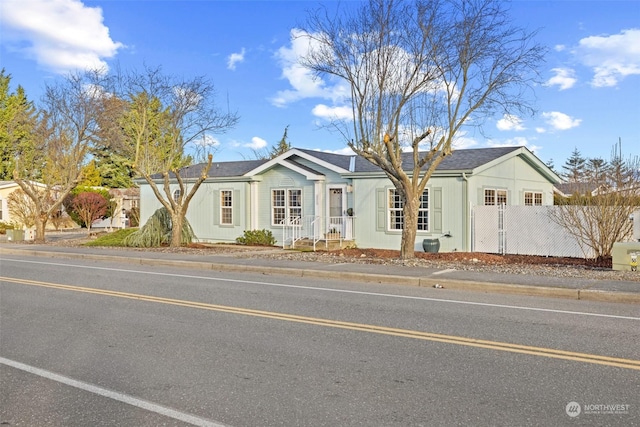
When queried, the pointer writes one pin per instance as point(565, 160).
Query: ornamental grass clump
point(157, 232)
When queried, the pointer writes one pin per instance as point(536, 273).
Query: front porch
point(318, 233)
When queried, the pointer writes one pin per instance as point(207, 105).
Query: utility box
point(624, 255)
point(30, 234)
point(15, 235)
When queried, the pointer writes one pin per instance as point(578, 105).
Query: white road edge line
point(448, 270)
point(377, 294)
point(152, 407)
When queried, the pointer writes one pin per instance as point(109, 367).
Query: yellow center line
point(407, 333)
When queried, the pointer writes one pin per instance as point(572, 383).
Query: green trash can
point(431, 245)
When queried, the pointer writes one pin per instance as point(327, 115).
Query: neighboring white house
point(311, 194)
point(6, 188)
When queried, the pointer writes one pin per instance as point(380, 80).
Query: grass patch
point(112, 239)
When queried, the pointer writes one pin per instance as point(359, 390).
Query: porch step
point(322, 245)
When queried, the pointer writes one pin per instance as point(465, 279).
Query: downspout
point(466, 223)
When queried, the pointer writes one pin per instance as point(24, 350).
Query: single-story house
point(316, 195)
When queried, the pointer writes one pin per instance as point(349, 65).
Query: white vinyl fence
point(522, 230)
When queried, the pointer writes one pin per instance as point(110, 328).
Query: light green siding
point(446, 214)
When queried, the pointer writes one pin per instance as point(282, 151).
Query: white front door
point(336, 208)
point(335, 201)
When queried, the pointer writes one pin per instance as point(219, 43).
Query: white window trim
point(223, 207)
point(533, 198)
point(393, 209)
point(176, 195)
point(287, 206)
point(495, 196)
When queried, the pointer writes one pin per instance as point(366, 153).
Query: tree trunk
point(41, 223)
point(177, 220)
point(407, 247)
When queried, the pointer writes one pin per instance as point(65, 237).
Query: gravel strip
point(569, 271)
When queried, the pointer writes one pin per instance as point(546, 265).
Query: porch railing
point(316, 228)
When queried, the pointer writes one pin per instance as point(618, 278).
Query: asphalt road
point(93, 343)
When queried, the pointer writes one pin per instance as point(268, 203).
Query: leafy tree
point(574, 167)
point(418, 72)
point(90, 207)
point(163, 116)
point(69, 202)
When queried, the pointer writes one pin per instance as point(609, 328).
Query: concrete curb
point(464, 285)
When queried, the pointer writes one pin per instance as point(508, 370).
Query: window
point(285, 204)
point(176, 196)
point(532, 198)
point(396, 216)
point(226, 207)
point(1, 210)
point(495, 197)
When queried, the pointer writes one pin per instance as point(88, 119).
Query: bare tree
point(418, 72)
point(164, 115)
point(598, 220)
point(22, 208)
point(62, 135)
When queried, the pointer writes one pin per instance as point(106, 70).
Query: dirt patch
point(476, 257)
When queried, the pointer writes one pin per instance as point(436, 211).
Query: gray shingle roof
point(466, 159)
point(219, 169)
point(459, 160)
point(340, 160)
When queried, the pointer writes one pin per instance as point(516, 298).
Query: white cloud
point(256, 143)
point(564, 78)
point(560, 121)
point(346, 150)
point(332, 113)
point(207, 141)
point(61, 35)
point(559, 47)
point(510, 122)
point(235, 58)
point(303, 82)
point(541, 130)
point(518, 141)
point(611, 57)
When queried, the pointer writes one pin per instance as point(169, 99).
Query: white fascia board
point(279, 161)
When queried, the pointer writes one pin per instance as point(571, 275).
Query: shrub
point(4, 226)
point(257, 238)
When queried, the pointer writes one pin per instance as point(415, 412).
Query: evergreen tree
point(596, 170)
point(90, 175)
point(574, 167)
point(282, 147)
point(17, 121)
point(622, 173)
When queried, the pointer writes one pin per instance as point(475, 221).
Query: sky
point(589, 98)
